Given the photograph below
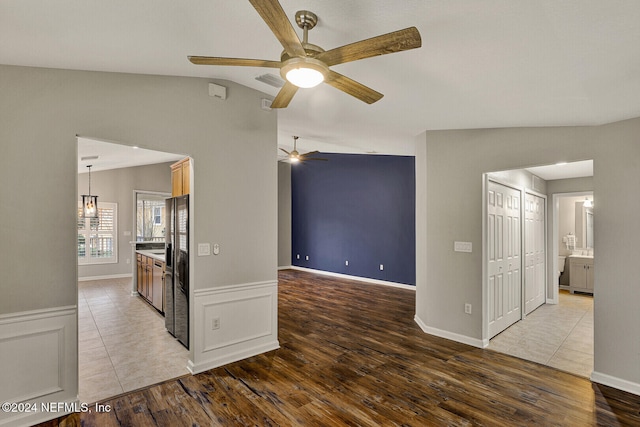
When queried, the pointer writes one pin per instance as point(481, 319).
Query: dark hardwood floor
point(351, 354)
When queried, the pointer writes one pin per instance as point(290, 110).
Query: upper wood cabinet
point(180, 172)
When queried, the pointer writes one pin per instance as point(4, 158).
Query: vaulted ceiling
point(483, 64)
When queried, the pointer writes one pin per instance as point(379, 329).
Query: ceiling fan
point(295, 157)
point(306, 65)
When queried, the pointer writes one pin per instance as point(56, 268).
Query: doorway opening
point(541, 320)
point(122, 340)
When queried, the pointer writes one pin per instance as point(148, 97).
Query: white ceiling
point(115, 156)
point(564, 170)
point(495, 63)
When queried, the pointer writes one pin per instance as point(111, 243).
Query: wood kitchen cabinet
point(180, 174)
point(581, 274)
point(150, 280)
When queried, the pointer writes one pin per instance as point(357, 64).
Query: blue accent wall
point(359, 208)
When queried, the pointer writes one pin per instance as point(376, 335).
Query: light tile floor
point(122, 342)
point(559, 335)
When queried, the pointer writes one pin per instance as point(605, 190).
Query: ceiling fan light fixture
point(294, 156)
point(305, 77)
point(304, 72)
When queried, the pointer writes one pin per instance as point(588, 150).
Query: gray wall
point(521, 178)
point(42, 111)
point(284, 214)
point(451, 186)
point(117, 186)
point(571, 185)
point(566, 222)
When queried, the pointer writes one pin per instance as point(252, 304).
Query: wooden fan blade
point(240, 62)
point(288, 153)
point(274, 16)
point(310, 153)
point(397, 41)
point(353, 88)
point(285, 95)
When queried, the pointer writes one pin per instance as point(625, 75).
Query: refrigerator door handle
point(168, 255)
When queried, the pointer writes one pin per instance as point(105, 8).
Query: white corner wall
point(234, 203)
point(452, 189)
point(284, 214)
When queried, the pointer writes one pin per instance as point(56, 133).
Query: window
point(157, 215)
point(150, 216)
point(98, 237)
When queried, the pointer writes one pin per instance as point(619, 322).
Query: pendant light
point(89, 202)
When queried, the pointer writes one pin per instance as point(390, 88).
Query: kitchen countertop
point(152, 253)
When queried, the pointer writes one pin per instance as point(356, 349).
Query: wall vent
point(537, 183)
point(271, 80)
point(265, 104)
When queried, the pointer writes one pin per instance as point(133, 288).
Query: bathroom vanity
point(581, 273)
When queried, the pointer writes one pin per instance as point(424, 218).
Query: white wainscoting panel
point(38, 362)
point(232, 323)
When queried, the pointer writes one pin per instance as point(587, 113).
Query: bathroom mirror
point(589, 227)
point(584, 226)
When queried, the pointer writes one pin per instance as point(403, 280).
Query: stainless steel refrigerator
point(177, 268)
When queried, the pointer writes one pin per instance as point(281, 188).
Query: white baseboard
point(232, 357)
point(450, 335)
point(620, 384)
point(38, 363)
point(106, 276)
point(285, 267)
point(358, 278)
point(247, 319)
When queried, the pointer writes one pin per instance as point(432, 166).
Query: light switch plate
point(462, 246)
point(204, 249)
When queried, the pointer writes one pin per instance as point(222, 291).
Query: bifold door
point(535, 256)
point(504, 257)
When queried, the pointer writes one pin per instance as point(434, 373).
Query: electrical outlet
point(215, 323)
point(298, 256)
point(346, 262)
point(307, 258)
point(467, 308)
point(381, 267)
point(462, 246)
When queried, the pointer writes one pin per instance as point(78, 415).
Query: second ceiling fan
point(294, 156)
point(303, 64)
